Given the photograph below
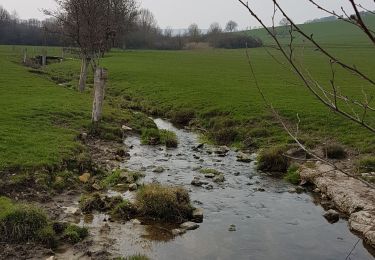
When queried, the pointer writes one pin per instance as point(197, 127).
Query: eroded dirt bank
point(349, 195)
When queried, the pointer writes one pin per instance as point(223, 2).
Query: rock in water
point(159, 169)
point(178, 232)
point(198, 182)
point(219, 179)
point(133, 187)
point(197, 215)
point(72, 211)
point(136, 222)
point(232, 228)
point(242, 157)
point(332, 216)
point(189, 225)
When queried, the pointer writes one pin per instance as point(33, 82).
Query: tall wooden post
point(44, 57)
point(24, 55)
point(100, 81)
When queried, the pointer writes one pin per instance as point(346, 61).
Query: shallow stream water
point(270, 224)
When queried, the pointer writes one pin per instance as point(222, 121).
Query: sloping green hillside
point(333, 33)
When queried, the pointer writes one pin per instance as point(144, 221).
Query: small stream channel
point(270, 224)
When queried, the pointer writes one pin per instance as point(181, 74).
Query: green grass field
point(335, 33)
point(40, 120)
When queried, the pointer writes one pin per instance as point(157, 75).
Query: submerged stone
point(332, 216)
point(189, 225)
point(197, 215)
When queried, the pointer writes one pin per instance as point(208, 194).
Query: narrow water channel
point(270, 223)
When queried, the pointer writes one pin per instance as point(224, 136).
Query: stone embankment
point(349, 195)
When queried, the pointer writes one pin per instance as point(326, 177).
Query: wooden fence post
point(100, 81)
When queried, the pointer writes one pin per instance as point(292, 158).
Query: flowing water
point(270, 224)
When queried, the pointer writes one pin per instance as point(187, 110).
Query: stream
point(270, 222)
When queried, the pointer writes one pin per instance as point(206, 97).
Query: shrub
point(168, 138)
point(182, 117)
point(273, 160)
point(234, 41)
point(75, 234)
point(292, 175)
point(20, 223)
point(366, 164)
point(334, 151)
point(164, 203)
point(124, 210)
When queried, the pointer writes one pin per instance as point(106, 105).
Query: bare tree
point(328, 93)
point(92, 26)
point(231, 26)
point(215, 28)
point(194, 32)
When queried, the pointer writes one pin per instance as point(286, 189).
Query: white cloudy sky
point(179, 13)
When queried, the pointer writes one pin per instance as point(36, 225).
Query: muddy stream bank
point(248, 216)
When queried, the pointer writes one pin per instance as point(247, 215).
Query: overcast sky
point(180, 14)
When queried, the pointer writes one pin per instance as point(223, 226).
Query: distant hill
point(328, 33)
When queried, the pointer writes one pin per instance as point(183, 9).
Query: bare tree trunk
point(62, 53)
point(24, 55)
point(44, 57)
point(83, 76)
point(100, 81)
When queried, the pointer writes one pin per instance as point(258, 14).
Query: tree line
point(136, 28)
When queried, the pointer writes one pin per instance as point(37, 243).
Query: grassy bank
point(40, 120)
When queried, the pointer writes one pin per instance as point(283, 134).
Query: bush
point(366, 164)
point(182, 117)
point(273, 160)
point(19, 223)
point(334, 151)
point(164, 203)
point(292, 175)
point(75, 234)
point(168, 138)
point(125, 210)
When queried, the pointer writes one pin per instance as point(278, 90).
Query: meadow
point(40, 119)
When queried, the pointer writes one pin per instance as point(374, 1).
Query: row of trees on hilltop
point(135, 29)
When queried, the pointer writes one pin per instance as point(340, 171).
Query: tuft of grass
point(121, 176)
point(75, 234)
point(182, 117)
point(91, 202)
point(152, 136)
point(210, 171)
point(21, 222)
point(124, 210)
point(293, 175)
point(164, 203)
point(366, 164)
point(224, 136)
point(334, 151)
point(168, 138)
point(273, 160)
